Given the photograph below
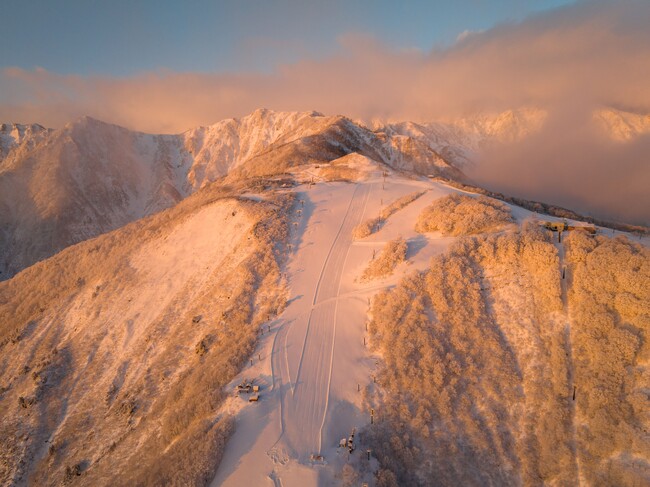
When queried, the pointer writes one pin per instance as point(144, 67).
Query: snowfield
point(316, 358)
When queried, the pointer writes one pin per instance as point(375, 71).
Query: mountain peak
point(621, 125)
point(13, 135)
point(88, 121)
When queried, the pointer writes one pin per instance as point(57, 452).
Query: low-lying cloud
point(568, 61)
point(573, 162)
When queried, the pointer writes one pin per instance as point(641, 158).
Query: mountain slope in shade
point(83, 180)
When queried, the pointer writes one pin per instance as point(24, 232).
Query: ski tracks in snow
point(304, 409)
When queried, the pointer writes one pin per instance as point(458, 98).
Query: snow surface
point(313, 360)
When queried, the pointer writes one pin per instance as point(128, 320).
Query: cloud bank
point(568, 61)
point(591, 53)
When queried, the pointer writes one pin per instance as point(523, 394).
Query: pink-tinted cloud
point(590, 54)
point(573, 163)
point(568, 62)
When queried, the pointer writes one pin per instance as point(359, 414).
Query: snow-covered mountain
point(59, 187)
point(85, 179)
point(459, 140)
point(114, 352)
point(623, 126)
point(16, 137)
point(477, 356)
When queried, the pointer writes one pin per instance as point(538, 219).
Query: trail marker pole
point(574, 393)
point(372, 416)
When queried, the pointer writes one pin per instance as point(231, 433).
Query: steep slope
point(18, 138)
point(90, 177)
point(114, 352)
point(219, 148)
point(505, 363)
point(78, 182)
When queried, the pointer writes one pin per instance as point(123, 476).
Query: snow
point(165, 267)
point(311, 361)
point(314, 360)
point(92, 177)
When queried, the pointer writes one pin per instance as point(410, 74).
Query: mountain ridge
point(62, 186)
point(58, 187)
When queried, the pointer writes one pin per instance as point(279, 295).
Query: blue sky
point(121, 38)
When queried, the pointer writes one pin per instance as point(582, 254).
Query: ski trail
point(304, 410)
point(336, 304)
point(327, 259)
point(302, 354)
